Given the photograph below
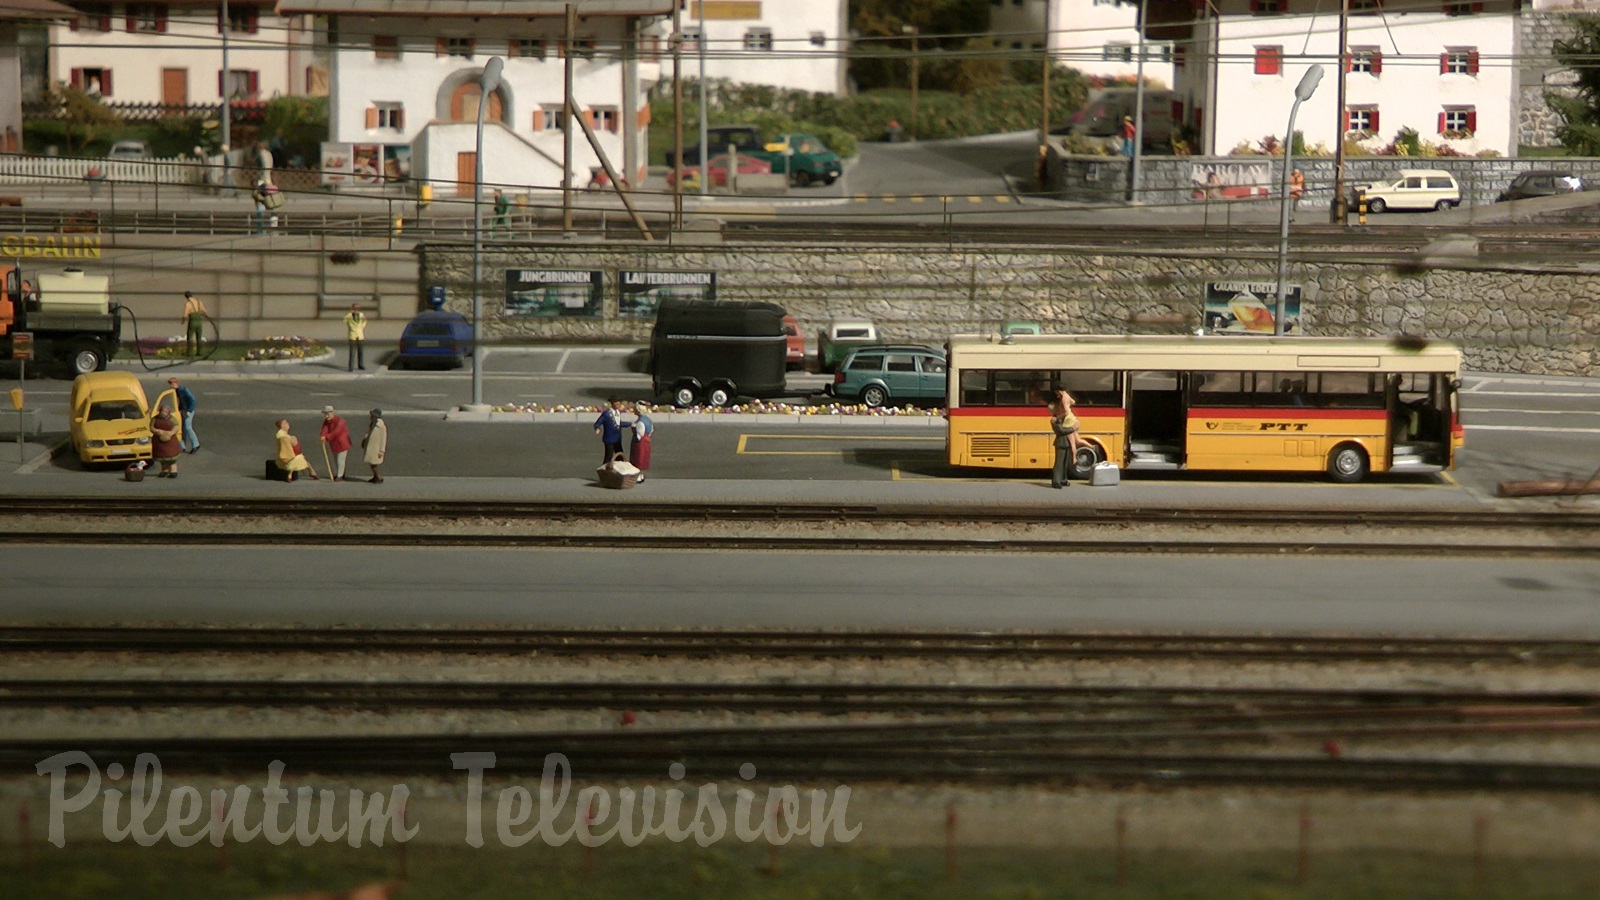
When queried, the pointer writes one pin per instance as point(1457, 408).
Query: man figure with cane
point(335, 440)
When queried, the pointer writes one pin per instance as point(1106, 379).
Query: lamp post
point(1302, 92)
point(705, 152)
point(1136, 158)
point(915, 36)
point(488, 82)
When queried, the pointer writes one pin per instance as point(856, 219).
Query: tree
point(85, 117)
point(1579, 107)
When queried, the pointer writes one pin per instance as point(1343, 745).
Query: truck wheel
point(802, 179)
point(874, 396)
point(684, 396)
point(86, 358)
point(720, 395)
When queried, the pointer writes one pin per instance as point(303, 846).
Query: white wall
point(190, 42)
point(794, 61)
point(1410, 91)
point(422, 81)
point(1080, 33)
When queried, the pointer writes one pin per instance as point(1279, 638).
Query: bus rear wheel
point(1347, 464)
point(1084, 460)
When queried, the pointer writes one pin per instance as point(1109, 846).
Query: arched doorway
point(464, 104)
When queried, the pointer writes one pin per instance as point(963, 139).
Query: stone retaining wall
point(1507, 319)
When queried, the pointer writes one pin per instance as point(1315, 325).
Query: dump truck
point(65, 318)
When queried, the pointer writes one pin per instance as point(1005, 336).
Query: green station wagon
point(885, 374)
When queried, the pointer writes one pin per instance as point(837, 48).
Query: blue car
point(435, 338)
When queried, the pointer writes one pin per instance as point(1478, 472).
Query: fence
point(73, 170)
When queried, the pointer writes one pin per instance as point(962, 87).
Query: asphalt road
point(416, 586)
point(1518, 427)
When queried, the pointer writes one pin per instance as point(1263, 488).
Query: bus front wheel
point(1347, 464)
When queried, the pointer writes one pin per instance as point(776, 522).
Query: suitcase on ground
point(274, 473)
point(1105, 474)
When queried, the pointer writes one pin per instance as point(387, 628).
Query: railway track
point(798, 644)
point(812, 756)
point(164, 508)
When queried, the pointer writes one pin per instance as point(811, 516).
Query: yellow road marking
point(744, 442)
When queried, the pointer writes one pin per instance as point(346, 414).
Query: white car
point(129, 150)
point(1414, 189)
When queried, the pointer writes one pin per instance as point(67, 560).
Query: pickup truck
point(803, 157)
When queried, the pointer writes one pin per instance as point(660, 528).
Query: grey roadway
point(1217, 593)
point(1518, 427)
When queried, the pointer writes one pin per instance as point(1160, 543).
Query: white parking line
point(1541, 428)
point(1474, 410)
point(562, 362)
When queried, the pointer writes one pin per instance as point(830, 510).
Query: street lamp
point(1302, 92)
point(488, 83)
point(915, 34)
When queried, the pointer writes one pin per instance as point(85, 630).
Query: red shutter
point(220, 23)
point(1444, 63)
point(1442, 128)
point(538, 120)
point(105, 82)
point(1375, 126)
point(372, 117)
point(73, 25)
point(161, 20)
point(398, 120)
point(511, 50)
point(1377, 62)
point(104, 23)
point(222, 84)
point(254, 85)
point(76, 78)
point(252, 23)
point(1349, 60)
point(132, 21)
point(588, 116)
point(1472, 62)
point(1346, 121)
point(1472, 121)
point(439, 47)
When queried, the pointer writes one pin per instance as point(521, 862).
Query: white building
point(171, 53)
point(799, 44)
point(405, 85)
point(1099, 38)
point(1445, 69)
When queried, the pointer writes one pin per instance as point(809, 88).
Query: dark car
point(435, 338)
point(1542, 183)
point(877, 376)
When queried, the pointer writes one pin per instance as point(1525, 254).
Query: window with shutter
point(1472, 62)
point(1269, 60)
point(372, 117)
point(385, 46)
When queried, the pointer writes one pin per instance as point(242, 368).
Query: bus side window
point(975, 388)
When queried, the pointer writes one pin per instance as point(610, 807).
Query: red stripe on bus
point(1285, 412)
point(1041, 412)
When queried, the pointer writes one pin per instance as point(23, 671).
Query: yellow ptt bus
point(1260, 404)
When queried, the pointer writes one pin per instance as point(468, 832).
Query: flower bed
point(753, 407)
point(286, 347)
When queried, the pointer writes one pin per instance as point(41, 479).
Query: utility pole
point(567, 115)
point(1340, 212)
point(227, 100)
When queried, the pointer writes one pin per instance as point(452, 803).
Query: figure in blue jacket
point(609, 427)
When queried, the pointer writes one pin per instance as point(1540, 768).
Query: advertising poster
point(554, 293)
point(367, 162)
point(1248, 307)
point(639, 294)
point(338, 162)
point(397, 162)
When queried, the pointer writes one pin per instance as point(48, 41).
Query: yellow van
point(110, 418)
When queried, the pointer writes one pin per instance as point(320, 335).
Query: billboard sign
point(554, 293)
point(1249, 307)
point(639, 294)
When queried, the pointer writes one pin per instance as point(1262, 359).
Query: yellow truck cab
point(110, 418)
